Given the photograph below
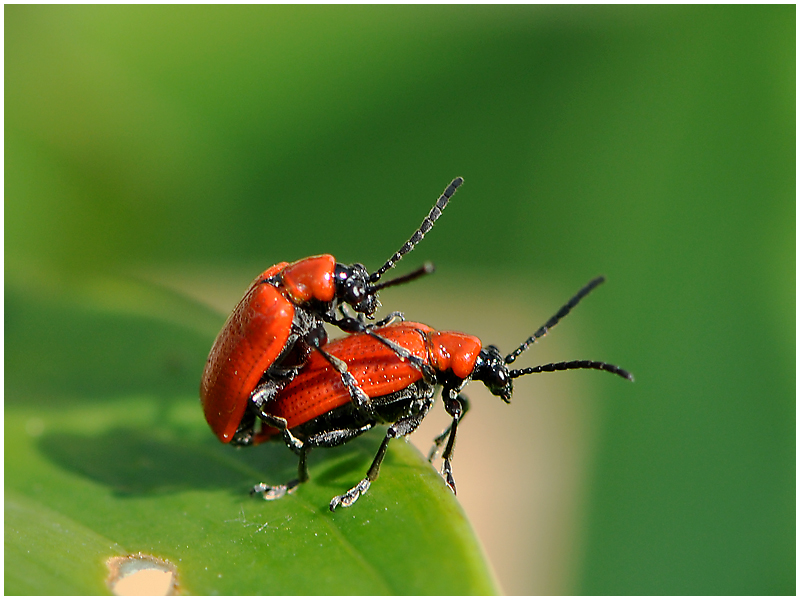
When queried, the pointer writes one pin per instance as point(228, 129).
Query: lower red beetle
point(279, 321)
point(398, 367)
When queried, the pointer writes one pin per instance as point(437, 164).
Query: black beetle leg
point(439, 440)
point(273, 492)
point(337, 437)
point(316, 338)
point(327, 439)
point(265, 392)
point(346, 322)
point(294, 444)
point(262, 395)
point(330, 439)
point(453, 406)
point(357, 324)
point(357, 395)
point(400, 428)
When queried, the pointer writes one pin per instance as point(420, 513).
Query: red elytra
point(252, 338)
point(270, 333)
point(398, 367)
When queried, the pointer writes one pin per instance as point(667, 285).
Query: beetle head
point(491, 369)
point(353, 288)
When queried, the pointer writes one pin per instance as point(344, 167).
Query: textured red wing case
point(252, 339)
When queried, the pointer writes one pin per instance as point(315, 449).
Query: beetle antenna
point(425, 269)
point(573, 364)
point(553, 321)
point(427, 223)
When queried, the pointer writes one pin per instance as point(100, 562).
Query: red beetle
point(270, 333)
point(398, 368)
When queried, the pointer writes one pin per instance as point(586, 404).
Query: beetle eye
point(357, 293)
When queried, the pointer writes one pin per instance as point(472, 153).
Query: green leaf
point(108, 454)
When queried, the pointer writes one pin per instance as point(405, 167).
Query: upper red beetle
point(270, 333)
point(398, 368)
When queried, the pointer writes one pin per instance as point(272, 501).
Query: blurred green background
point(191, 148)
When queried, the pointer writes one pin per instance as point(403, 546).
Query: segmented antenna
point(427, 223)
point(553, 321)
point(425, 269)
point(573, 364)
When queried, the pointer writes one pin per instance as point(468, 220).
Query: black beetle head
point(491, 369)
point(353, 288)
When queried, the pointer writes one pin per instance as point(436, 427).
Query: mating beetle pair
point(263, 380)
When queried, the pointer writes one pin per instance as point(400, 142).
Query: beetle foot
point(273, 492)
point(447, 473)
point(349, 497)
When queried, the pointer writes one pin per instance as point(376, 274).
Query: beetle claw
point(447, 473)
point(273, 492)
point(349, 497)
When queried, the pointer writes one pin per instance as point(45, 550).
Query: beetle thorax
point(310, 279)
